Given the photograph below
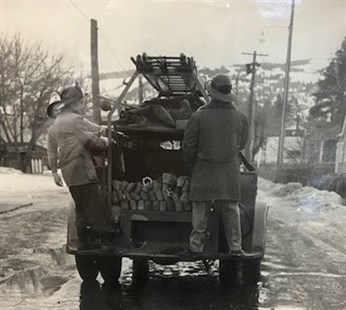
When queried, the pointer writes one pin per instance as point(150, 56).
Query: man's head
point(220, 88)
point(72, 98)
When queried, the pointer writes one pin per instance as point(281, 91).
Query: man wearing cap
point(77, 144)
point(212, 140)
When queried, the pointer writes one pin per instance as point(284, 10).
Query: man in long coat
point(213, 138)
point(77, 143)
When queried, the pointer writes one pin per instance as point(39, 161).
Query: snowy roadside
point(318, 213)
point(18, 189)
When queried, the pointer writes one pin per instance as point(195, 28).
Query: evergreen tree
point(330, 97)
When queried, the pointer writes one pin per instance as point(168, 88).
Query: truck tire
point(110, 269)
point(87, 267)
point(140, 268)
point(228, 272)
point(251, 272)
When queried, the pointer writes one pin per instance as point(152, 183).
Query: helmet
point(54, 104)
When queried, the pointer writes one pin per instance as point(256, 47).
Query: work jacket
point(71, 134)
point(212, 140)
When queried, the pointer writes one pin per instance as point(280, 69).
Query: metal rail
point(109, 126)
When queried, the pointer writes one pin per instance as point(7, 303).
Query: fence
point(36, 166)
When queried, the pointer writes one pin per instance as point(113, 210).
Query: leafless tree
point(28, 76)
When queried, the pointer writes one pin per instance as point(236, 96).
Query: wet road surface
point(302, 269)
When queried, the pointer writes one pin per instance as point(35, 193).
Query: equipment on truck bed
point(170, 76)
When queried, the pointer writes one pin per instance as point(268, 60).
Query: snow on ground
point(305, 197)
point(19, 189)
point(8, 170)
point(318, 213)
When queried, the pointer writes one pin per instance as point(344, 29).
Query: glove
point(105, 139)
point(103, 131)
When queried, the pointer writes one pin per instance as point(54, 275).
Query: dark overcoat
point(212, 140)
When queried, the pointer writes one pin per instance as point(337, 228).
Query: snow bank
point(306, 197)
point(8, 170)
point(266, 185)
point(286, 189)
point(313, 199)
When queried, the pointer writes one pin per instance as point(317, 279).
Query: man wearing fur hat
point(212, 140)
point(71, 134)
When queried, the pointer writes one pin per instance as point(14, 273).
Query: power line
point(80, 11)
point(112, 52)
point(102, 37)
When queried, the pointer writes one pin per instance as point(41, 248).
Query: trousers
point(91, 209)
point(231, 220)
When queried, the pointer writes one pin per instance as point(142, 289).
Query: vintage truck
point(146, 185)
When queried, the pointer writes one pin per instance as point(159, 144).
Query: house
point(293, 148)
point(294, 143)
point(322, 147)
point(10, 157)
point(340, 158)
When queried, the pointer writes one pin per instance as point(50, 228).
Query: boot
point(240, 253)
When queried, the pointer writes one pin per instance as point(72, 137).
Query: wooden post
point(237, 87)
point(140, 89)
point(252, 107)
point(95, 73)
point(279, 164)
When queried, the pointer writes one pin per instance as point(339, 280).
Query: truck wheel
point(110, 269)
point(228, 272)
point(140, 269)
point(251, 272)
point(87, 267)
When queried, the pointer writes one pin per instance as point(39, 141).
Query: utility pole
point(285, 99)
point(237, 87)
point(140, 89)
point(251, 68)
point(95, 72)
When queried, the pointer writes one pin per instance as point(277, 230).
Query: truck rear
point(147, 185)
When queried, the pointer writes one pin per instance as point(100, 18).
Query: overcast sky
point(214, 32)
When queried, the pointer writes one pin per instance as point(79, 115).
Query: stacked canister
point(167, 194)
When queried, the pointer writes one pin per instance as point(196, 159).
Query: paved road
point(304, 268)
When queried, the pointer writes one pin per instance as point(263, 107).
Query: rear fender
point(260, 227)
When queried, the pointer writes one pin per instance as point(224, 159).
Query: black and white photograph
point(173, 155)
